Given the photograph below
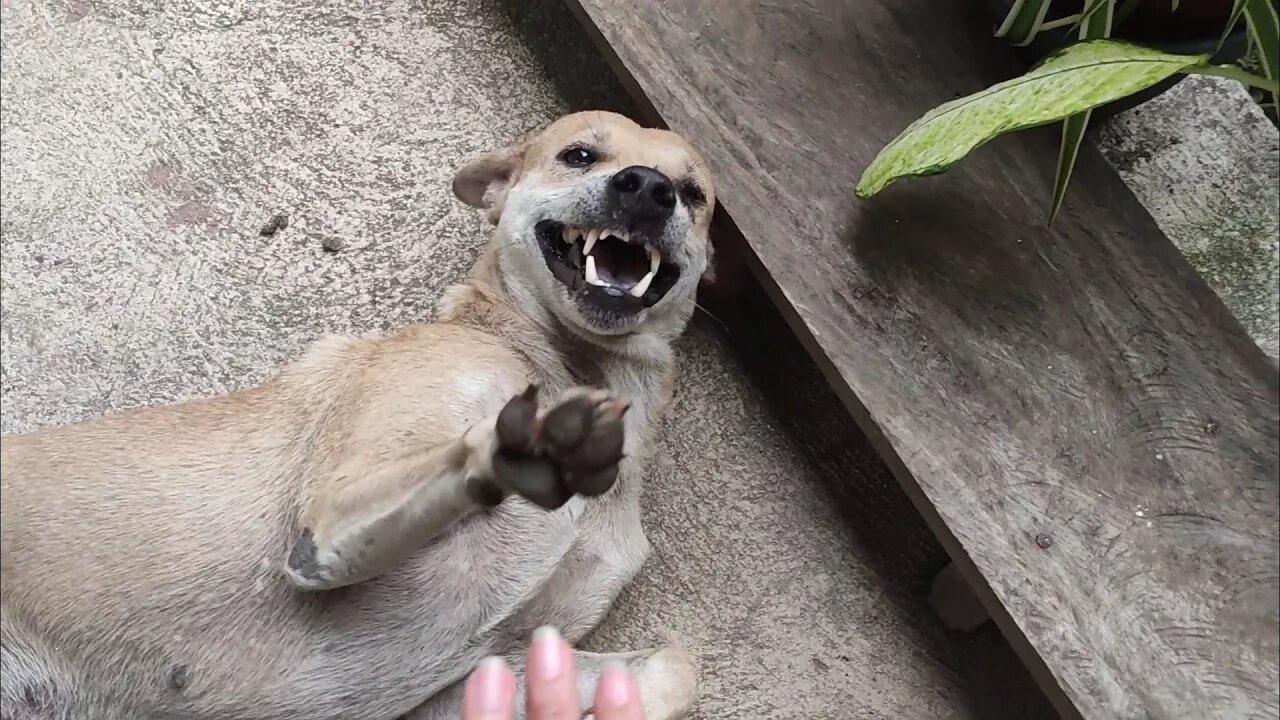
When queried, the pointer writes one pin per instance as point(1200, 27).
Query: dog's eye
point(692, 194)
point(577, 157)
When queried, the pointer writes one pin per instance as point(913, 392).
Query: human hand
point(551, 687)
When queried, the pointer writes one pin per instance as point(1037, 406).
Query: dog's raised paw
point(573, 448)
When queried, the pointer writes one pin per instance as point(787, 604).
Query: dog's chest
point(608, 550)
point(609, 545)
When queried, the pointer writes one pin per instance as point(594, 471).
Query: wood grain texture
point(1080, 420)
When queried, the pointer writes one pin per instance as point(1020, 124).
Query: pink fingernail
point(617, 689)
point(490, 685)
point(546, 661)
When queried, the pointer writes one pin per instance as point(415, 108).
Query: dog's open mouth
point(613, 268)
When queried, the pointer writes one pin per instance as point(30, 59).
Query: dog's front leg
point(376, 511)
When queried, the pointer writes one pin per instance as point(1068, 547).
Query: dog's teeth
point(639, 288)
point(655, 259)
point(592, 277)
point(592, 236)
point(570, 235)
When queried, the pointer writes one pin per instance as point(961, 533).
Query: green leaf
point(1091, 8)
point(1023, 21)
point(1097, 20)
point(1072, 135)
point(1096, 24)
point(1077, 78)
point(1236, 10)
point(1264, 28)
point(1237, 73)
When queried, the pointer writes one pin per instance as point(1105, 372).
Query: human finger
point(617, 696)
point(490, 692)
point(551, 687)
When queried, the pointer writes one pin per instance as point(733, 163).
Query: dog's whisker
point(711, 315)
point(505, 245)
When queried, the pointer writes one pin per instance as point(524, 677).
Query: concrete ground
point(145, 144)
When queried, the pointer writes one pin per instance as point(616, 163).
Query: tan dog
point(341, 541)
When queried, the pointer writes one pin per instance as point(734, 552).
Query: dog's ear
point(483, 183)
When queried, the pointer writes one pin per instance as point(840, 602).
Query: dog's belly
point(453, 607)
point(476, 593)
point(242, 645)
point(395, 641)
point(607, 553)
point(373, 650)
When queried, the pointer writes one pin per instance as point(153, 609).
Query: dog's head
point(603, 220)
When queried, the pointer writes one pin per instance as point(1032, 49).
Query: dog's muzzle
point(620, 262)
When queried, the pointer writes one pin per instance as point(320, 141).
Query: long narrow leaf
point(1237, 73)
point(1015, 11)
point(1077, 78)
point(1097, 21)
point(1073, 21)
point(1091, 8)
point(1072, 135)
point(1023, 21)
point(1097, 24)
point(1233, 19)
point(1264, 28)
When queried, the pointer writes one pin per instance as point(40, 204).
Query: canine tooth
point(592, 277)
point(638, 290)
point(655, 259)
point(592, 236)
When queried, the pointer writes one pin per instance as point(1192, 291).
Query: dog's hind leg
point(375, 511)
point(666, 677)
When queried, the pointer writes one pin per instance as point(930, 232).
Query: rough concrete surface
point(1205, 161)
point(145, 145)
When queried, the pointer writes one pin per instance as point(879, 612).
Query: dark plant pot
point(1193, 29)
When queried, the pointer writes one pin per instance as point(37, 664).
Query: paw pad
point(573, 448)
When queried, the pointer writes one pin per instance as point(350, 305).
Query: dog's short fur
point(350, 538)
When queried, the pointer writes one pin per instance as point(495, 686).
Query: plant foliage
point(1065, 87)
point(1071, 81)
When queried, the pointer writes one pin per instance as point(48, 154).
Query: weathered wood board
point(1083, 424)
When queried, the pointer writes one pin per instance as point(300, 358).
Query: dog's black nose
point(643, 191)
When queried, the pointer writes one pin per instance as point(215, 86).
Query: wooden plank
point(1080, 420)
